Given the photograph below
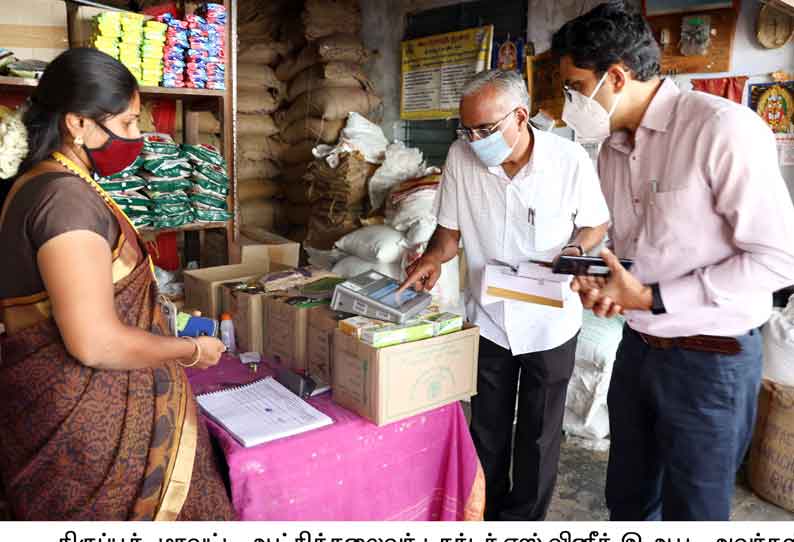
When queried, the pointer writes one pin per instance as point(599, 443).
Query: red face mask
point(116, 155)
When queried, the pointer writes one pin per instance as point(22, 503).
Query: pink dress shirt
point(699, 203)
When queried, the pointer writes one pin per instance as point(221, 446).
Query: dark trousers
point(681, 423)
point(544, 380)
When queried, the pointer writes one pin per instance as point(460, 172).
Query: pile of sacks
point(260, 94)
point(324, 82)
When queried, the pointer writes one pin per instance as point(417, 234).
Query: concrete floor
point(580, 491)
point(579, 495)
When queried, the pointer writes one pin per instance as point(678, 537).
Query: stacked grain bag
point(324, 82)
point(260, 94)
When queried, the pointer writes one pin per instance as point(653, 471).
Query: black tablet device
point(585, 265)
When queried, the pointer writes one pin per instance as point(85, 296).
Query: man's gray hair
point(506, 82)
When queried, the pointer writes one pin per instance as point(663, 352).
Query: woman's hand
point(211, 351)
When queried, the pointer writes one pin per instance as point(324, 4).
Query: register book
point(261, 411)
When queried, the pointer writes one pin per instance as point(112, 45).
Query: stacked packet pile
point(130, 42)
point(152, 53)
point(167, 174)
point(210, 183)
point(107, 33)
point(127, 189)
point(176, 43)
point(206, 58)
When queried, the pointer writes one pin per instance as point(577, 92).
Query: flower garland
point(13, 142)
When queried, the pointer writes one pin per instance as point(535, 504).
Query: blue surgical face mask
point(492, 150)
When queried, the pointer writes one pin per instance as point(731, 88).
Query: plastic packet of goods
point(152, 64)
point(170, 208)
point(216, 203)
point(132, 201)
point(210, 188)
point(155, 26)
point(136, 210)
point(130, 183)
point(196, 84)
point(176, 196)
point(206, 215)
point(160, 144)
point(134, 40)
point(141, 221)
point(167, 185)
point(173, 84)
point(216, 86)
point(168, 168)
point(176, 221)
point(202, 154)
point(212, 173)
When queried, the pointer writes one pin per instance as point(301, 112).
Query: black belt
point(696, 343)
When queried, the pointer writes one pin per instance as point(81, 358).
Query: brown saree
point(78, 443)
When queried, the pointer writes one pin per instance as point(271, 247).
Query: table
point(423, 468)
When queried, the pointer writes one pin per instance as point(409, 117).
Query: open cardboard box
point(204, 287)
point(386, 385)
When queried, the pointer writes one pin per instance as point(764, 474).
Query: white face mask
point(493, 150)
point(586, 116)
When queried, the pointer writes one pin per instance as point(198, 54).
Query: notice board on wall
point(436, 68)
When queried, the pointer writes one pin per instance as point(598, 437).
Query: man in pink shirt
point(698, 202)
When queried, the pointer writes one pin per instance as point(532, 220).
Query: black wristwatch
point(657, 305)
point(577, 247)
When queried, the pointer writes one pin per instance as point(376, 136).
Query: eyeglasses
point(470, 134)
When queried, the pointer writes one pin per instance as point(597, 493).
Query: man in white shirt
point(512, 194)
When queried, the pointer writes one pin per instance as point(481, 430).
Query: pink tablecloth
point(423, 468)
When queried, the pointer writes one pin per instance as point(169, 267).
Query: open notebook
point(261, 411)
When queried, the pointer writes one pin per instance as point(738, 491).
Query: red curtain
point(731, 88)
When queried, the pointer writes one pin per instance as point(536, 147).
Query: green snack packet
point(203, 154)
point(160, 144)
point(217, 203)
point(128, 183)
point(212, 173)
point(206, 186)
point(203, 215)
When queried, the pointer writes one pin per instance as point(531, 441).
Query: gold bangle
point(196, 354)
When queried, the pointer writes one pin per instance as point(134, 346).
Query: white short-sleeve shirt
point(531, 216)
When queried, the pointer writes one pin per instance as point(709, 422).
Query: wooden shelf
point(203, 226)
point(22, 84)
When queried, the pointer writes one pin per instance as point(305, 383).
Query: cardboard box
point(282, 250)
point(204, 287)
point(248, 315)
point(389, 384)
point(535, 285)
point(286, 331)
point(35, 29)
point(320, 344)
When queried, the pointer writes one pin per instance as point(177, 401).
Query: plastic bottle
point(227, 333)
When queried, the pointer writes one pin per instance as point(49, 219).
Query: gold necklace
point(83, 174)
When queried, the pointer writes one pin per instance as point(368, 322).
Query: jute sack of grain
point(325, 17)
point(265, 213)
point(298, 192)
point(332, 104)
point(298, 214)
point(258, 76)
point(267, 53)
point(336, 48)
point(258, 100)
point(256, 169)
point(298, 153)
point(208, 123)
point(256, 125)
point(250, 189)
point(318, 130)
point(293, 173)
point(344, 185)
point(327, 225)
point(260, 148)
point(330, 75)
point(771, 469)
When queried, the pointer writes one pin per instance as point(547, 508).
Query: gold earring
point(79, 141)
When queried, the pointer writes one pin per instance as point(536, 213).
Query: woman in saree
point(97, 419)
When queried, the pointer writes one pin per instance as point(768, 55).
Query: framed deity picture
point(653, 8)
point(774, 102)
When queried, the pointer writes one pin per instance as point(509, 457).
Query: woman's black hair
point(85, 82)
point(610, 34)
